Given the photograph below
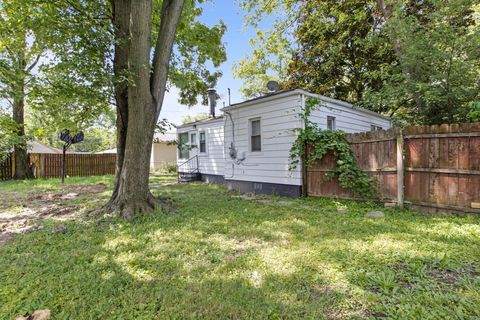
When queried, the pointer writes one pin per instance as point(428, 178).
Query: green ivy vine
point(320, 142)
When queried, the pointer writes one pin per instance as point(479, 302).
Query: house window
point(193, 140)
point(331, 123)
point(255, 135)
point(375, 128)
point(183, 149)
point(203, 142)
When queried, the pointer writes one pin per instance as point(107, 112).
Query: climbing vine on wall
point(319, 143)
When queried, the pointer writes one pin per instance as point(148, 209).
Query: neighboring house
point(109, 151)
point(164, 151)
point(248, 148)
point(38, 147)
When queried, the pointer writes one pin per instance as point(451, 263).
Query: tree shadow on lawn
point(228, 258)
point(113, 270)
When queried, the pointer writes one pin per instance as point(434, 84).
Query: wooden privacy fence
point(46, 165)
point(6, 168)
point(76, 164)
point(435, 168)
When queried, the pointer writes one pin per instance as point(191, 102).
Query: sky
point(236, 40)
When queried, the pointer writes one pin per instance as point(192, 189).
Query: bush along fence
point(47, 165)
point(433, 168)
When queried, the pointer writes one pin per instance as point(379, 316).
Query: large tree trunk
point(121, 21)
point(21, 158)
point(145, 92)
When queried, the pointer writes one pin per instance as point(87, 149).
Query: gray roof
point(38, 147)
point(289, 92)
point(200, 122)
point(165, 137)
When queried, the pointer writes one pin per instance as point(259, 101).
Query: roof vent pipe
point(212, 101)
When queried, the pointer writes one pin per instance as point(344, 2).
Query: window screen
point(193, 140)
point(375, 128)
point(256, 137)
point(330, 123)
point(203, 142)
point(182, 146)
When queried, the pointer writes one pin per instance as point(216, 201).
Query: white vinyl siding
point(268, 161)
point(347, 119)
point(278, 121)
point(213, 160)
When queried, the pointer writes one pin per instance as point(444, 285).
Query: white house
point(248, 148)
point(164, 151)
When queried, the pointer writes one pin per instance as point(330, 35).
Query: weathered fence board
point(376, 154)
point(6, 168)
point(77, 164)
point(441, 166)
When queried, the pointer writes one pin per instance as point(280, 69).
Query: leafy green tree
point(271, 49)
point(436, 44)
point(342, 49)
point(417, 61)
point(181, 46)
point(8, 135)
point(22, 32)
point(54, 61)
point(198, 117)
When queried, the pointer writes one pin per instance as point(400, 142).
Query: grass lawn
point(222, 256)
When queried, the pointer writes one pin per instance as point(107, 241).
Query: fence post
point(305, 172)
point(400, 169)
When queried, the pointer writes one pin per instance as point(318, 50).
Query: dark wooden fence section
point(6, 168)
point(47, 165)
point(77, 164)
point(439, 169)
point(442, 166)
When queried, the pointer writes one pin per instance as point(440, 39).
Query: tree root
point(128, 208)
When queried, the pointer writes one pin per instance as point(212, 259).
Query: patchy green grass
point(221, 256)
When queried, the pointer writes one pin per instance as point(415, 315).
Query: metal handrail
point(190, 159)
point(195, 168)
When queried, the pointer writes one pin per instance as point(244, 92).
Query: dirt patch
point(22, 213)
point(452, 277)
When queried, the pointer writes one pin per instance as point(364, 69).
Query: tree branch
point(34, 63)
point(170, 16)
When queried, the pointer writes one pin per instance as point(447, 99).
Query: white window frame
point(206, 142)
point(193, 144)
point(374, 127)
point(250, 121)
point(334, 123)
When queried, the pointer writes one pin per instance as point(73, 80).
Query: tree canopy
point(417, 61)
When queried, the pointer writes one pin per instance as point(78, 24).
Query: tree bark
point(121, 21)
point(139, 109)
point(21, 158)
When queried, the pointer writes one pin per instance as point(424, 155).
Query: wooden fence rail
point(436, 168)
point(47, 165)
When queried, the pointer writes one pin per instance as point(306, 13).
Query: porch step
point(188, 177)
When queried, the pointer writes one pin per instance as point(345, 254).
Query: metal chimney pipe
point(212, 101)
